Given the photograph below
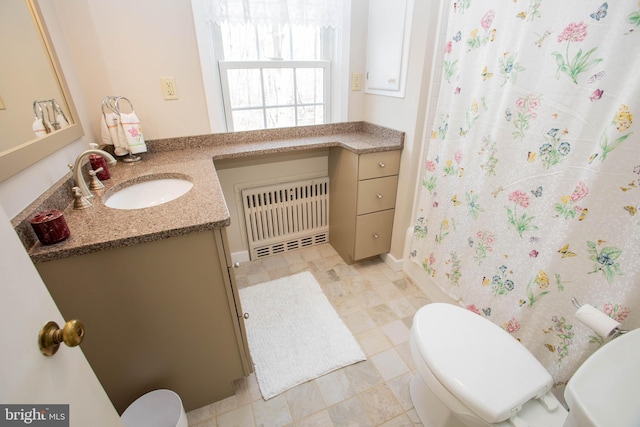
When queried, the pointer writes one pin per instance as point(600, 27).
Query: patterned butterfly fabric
point(530, 184)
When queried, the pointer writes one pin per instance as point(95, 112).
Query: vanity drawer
point(377, 194)
point(373, 234)
point(376, 165)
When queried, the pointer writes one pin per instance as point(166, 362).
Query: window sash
point(225, 66)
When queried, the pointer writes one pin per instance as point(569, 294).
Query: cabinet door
point(158, 317)
point(377, 194)
point(233, 296)
point(373, 234)
point(388, 46)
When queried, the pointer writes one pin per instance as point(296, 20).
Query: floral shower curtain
point(531, 182)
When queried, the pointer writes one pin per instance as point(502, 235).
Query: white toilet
point(473, 373)
point(158, 408)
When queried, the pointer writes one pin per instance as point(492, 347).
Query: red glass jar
point(98, 162)
point(50, 227)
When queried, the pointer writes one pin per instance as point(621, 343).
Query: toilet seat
point(477, 362)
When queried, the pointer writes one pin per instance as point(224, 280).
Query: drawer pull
point(379, 196)
point(382, 164)
point(376, 235)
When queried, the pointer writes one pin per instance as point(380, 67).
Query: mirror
point(30, 72)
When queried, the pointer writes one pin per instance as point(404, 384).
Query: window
point(274, 76)
point(275, 70)
point(273, 94)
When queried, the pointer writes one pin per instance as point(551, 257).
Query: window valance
point(319, 13)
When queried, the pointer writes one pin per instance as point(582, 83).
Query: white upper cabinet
point(388, 38)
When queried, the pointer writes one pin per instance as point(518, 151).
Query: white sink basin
point(604, 390)
point(148, 193)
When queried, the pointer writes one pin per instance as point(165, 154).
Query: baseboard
point(394, 263)
point(419, 278)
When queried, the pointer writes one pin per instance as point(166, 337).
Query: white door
point(26, 376)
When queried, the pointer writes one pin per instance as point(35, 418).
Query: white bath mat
point(294, 333)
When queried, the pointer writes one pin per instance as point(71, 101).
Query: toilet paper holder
point(614, 333)
point(50, 337)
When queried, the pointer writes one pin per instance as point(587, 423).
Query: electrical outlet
point(356, 81)
point(169, 90)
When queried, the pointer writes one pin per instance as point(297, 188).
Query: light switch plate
point(356, 81)
point(169, 89)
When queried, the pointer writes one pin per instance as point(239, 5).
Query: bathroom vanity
point(155, 287)
point(161, 314)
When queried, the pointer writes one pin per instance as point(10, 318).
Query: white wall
point(357, 57)
point(122, 47)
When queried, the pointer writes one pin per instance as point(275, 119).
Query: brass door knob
point(51, 336)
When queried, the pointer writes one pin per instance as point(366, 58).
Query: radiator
point(287, 216)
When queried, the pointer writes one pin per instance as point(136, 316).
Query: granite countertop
point(203, 207)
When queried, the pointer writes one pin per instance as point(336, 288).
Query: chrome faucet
point(77, 169)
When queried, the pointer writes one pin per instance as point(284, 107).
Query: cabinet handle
point(379, 196)
point(376, 235)
point(245, 316)
point(236, 264)
point(382, 164)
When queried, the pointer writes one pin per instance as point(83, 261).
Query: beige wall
point(21, 189)
point(23, 78)
point(121, 47)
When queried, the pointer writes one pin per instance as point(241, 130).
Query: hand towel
point(133, 132)
point(110, 128)
point(105, 136)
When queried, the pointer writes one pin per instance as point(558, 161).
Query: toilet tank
point(604, 390)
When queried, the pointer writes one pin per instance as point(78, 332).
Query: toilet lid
point(477, 361)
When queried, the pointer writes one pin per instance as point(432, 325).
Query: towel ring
point(48, 105)
point(107, 102)
point(104, 104)
point(47, 128)
point(117, 103)
point(35, 113)
point(58, 110)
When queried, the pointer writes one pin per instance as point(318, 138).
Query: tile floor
point(377, 304)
